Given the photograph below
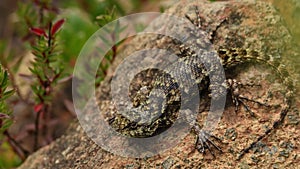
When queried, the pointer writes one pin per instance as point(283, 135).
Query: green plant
point(6, 118)
point(113, 32)
point(5, 112)
point(39, 30)
point(96, 8)
point(38, 26)
point(46, 68)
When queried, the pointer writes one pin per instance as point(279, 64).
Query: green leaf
point(32, 70)
point(41, 75)
point(38, 55)
point(36, 48)
point(4, 79)
point(6, 124)
point(35, 89)
point(8, 93)
point(104, 40)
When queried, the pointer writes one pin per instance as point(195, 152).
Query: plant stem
point(36, 133)
point(46, 119)
point(18, 149)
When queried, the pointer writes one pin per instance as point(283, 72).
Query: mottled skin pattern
point(160, 80)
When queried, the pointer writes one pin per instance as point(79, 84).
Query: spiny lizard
point(169, 111)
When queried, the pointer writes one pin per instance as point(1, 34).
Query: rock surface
point(249, 24)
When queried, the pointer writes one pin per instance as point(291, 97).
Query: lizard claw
point(204, 141)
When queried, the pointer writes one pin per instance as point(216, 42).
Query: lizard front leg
point(238, 99)
point(205, 140)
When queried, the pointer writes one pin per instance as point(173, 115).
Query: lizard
point(229, 58)
point(236, 56)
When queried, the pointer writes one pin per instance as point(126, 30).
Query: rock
point(250, 24)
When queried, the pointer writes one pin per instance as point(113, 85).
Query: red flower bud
point(57, 26)
point(38, 31)
point(38, 107)
point(4, 116)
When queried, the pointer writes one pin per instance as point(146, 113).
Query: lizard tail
point(235, 56)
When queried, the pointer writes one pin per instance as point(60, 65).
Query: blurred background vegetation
point(23, 31)
point(83, 18)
